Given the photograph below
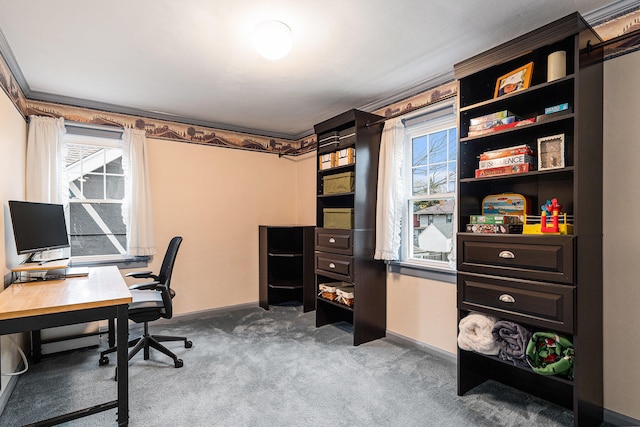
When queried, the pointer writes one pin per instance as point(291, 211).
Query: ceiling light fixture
point(272, 39)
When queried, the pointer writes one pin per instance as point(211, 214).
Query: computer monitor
point(38, 227)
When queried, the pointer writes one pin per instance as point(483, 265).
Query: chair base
point(145, 342)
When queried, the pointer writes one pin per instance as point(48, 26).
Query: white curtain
point(390, 191)
point(136, 209)
point(46, 181)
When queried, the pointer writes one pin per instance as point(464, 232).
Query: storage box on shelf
point(345, 233)
point(546, 283)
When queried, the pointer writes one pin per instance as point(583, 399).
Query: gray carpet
point(252, 367)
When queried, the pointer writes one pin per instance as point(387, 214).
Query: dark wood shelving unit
point(345, 255)
point(286, 265)
point(555, 280)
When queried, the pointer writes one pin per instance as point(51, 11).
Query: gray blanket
point(512, 340)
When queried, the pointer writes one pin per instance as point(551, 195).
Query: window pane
point(114, 166)
point(438, 179)
point(115, 187)
point(419, 151)
point(451, 186)
point(96, 229)
point(453, 143)
point(438, 147)
point(420, 181)
point(93, 186)
point(432, 229)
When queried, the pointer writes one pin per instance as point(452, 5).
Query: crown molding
point(425, 85)
point(610, 11)
point(7, 55)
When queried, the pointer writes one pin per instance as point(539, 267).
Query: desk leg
point(112, 333)
point(123, 362)
point(36, 344)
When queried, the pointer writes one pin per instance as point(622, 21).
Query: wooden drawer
point(540, 304)
point(333, 265)
point(339, 241)
point(544, 258)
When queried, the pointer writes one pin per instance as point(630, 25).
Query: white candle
point(556, 65)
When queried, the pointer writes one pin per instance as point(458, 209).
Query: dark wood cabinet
point(348, 150)
point(547, 283)
point(286, 265)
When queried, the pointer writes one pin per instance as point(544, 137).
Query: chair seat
point(145, 299)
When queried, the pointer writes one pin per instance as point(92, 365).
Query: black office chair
point(152, 301)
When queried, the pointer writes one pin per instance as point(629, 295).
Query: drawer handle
point(506, 255)
point(332, 240)
point(332, 265)
point(507, 298)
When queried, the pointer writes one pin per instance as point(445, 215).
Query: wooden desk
point(103, 294)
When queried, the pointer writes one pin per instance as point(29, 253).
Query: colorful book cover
point(489, 117)
point(492, 123)
point(505, 152)
point(503, 170)
point(507, 161)
point(502, 127)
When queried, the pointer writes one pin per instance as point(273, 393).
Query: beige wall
point(216, 198)
point(621, 237)
point(13, 138)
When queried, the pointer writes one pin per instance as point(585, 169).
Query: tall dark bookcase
point(345, 255)
point(544, 282)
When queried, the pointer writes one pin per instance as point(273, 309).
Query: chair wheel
point(104, 360)
point(188, 344)
point(179, 363)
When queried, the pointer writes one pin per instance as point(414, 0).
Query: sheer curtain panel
point(46, 181)
point(390, 191)
point(137, 209)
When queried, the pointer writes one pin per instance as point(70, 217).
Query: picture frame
point(513, 81)
point(551, 152)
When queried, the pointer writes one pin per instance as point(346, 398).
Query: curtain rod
point(412, 109)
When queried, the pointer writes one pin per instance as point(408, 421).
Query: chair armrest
point(145, 286)
point(141, 275)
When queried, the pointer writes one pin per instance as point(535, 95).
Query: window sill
point(120, 262)
point(422, 271)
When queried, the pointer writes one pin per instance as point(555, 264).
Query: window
point(428, 235)
point(96, 192)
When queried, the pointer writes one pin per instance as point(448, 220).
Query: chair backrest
point(164, 277)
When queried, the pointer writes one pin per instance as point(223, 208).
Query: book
point(556, 108)
point(490, 117)
point(503, 170)
point(522, 122)
point(495, 219)
point(495, 228)
point(505, 152)
point(492, 123)
point(507, 161)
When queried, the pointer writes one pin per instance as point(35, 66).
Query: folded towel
point(512, 339)
point(475, 334)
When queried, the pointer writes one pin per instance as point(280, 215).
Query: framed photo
point(514, 81)
point(551, 152)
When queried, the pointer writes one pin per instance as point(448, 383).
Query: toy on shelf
point(550, 222)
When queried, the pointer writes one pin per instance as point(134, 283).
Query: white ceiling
point(192, 59)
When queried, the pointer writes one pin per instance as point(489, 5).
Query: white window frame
point(104, 142)
point(427, 126)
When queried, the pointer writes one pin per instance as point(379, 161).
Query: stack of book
point(506, 161)
point(494, 122)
